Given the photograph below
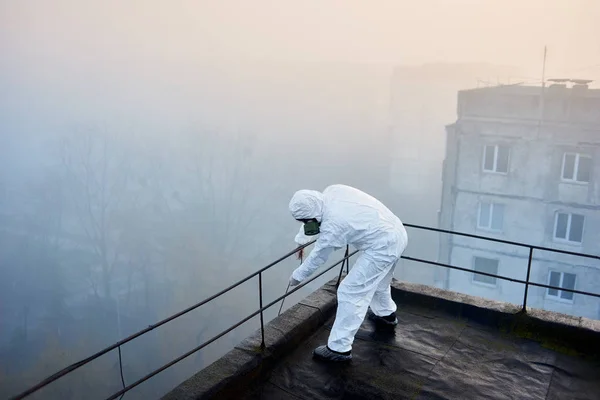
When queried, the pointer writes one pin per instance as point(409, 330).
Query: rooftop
point(434, 356)
point(533, 90)
point(446, 346)
point(559, 104)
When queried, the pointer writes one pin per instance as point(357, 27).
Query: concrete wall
point(535, 164)
point(525, 220)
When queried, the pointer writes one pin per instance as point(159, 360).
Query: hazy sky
point(63, 61)
point(109, 33)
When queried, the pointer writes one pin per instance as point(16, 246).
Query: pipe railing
point(262, 307)
point(531, 248)
point(128, 339)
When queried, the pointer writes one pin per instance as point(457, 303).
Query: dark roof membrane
point(431, 355)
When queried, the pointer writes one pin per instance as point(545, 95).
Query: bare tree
point(29, 255)
point(97, 174)
point(221, 198)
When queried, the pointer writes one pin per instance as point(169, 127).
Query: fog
point(148, 152)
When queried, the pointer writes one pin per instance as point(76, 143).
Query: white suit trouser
point(368, 283)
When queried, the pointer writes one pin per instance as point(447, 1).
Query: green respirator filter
point(311, 228)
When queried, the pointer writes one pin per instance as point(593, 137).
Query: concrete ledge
point(560, 332)
point(236, 372)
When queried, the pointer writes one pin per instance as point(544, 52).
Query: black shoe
point(326, 354)
point(389, 321)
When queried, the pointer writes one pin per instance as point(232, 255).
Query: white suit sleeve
point(317, 257)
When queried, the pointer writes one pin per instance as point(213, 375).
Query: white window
point(576, 167)
point(563, 280)
point(495, 158)
point(568, 227)
point(491, 216)
point(486, 265)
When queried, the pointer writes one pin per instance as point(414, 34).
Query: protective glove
point(293, 282)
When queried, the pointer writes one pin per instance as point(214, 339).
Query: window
point(487, 265)
point(491, 216)
point(576, 167)
point(568, 227)
point(495, 158)
point(563, 280)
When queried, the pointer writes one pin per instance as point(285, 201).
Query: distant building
point(524, 166)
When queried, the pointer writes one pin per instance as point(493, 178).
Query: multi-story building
point(523, 164)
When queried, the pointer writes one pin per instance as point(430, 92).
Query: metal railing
point(344, 261)
point(67, 370)
point(531, 248)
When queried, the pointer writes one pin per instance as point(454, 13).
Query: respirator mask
point(311, 226)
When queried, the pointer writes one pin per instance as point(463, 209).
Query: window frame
point(475, 272)
point(492, 207)
point(558, 297)
point(573, 179)
point(495, 161)
point(568, 229)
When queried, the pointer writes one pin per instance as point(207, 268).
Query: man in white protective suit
point(342, 215)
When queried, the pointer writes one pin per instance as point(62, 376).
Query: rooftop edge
point(246, 365)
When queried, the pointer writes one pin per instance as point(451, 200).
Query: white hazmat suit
point(349, 216)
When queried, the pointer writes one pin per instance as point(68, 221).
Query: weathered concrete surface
point(447, 345)
point(246, 364)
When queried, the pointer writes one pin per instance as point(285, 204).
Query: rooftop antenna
point(544, 69)
point(542, 96)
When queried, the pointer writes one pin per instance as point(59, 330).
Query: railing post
point(347, 260)
point(262, 323)
point(527, 279)
point(340, 275)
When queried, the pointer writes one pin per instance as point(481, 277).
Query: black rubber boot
point(388, 321)
point(324, 353)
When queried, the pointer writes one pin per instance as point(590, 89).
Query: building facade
point(523, 164)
